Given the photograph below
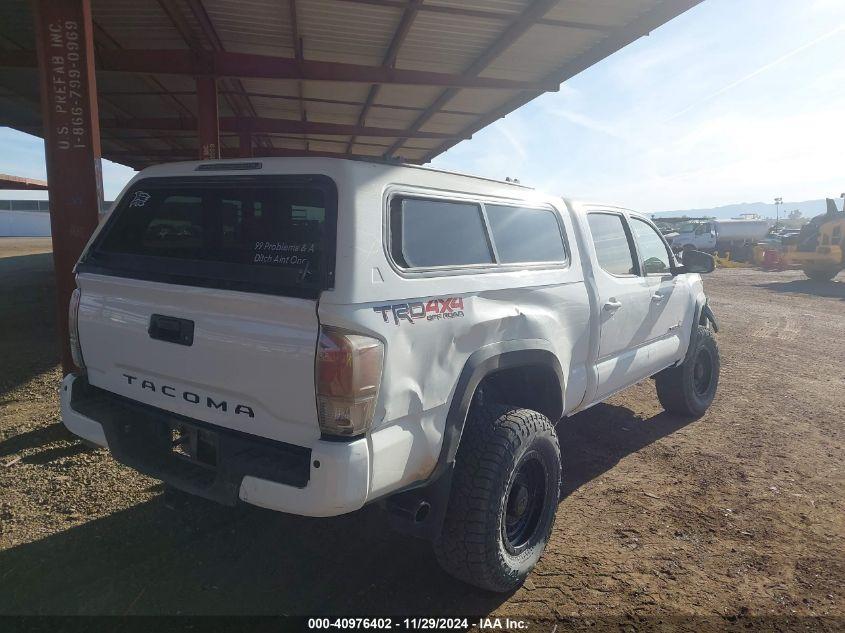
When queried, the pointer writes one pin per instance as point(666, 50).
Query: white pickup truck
point(312, 335)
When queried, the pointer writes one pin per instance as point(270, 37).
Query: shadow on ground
point(36, 438)
point(831, 289)
point(201, 558)
point(27, 318)
point(595, 440)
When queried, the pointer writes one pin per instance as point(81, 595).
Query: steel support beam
point(64, 35)
point(272, 95)
point(251, 66)
point(298, 55)
point(208, 120)
point(166, 155)
point(163, 136)
point(470, 12)
point(260, 125)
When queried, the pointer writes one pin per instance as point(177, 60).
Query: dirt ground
point(733, 521)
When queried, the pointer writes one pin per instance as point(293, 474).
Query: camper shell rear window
point(268, 234)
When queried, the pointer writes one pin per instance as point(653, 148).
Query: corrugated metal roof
point(136, 25)
point(540, 49)
point(365, 49)
point(505, 7)
point(611, 13)
point(447, 43)
point(344, 31)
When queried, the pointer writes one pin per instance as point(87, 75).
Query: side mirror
point(697, 262)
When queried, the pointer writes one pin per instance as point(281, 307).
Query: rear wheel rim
point(524, 504)
point(702, 372)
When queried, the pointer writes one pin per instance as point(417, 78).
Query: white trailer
point(740, 230)
point(720, 235)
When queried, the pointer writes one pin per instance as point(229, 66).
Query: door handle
point(612, 305)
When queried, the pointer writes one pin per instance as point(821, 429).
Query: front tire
point(505, 492)
point(689, 388)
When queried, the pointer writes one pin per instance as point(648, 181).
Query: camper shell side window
point(435, 235)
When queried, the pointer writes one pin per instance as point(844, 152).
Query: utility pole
point(778, 202)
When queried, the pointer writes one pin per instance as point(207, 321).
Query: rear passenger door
point(624, 303)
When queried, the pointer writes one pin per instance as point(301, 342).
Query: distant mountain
point(808, 208)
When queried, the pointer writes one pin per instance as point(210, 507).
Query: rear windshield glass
point(267, 234)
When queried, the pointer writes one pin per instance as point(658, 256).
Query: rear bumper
point(327, 479)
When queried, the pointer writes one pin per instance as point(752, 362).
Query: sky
point(733, 101)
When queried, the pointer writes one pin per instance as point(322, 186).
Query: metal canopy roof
point(374, 78)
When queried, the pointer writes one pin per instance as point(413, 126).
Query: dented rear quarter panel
point(458, 312)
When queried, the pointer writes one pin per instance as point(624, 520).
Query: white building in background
point(28, 218)
point(24, 218)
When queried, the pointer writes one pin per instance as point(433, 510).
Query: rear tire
point(817, 274)
point(689, 388)
point(505, 492)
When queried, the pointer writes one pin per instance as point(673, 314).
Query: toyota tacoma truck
point(312, 335)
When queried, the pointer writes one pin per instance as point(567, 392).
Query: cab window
point(613, 248)
point(655, 255)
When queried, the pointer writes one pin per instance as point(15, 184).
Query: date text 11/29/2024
point(418, 624)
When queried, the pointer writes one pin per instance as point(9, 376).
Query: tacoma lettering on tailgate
point(189, 396)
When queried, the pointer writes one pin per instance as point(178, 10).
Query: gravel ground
point(733, 521)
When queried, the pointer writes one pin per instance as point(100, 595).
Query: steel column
point(208, 121)
point(65, 44)
point(245, 145)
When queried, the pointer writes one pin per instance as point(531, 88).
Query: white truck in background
point(721, 236)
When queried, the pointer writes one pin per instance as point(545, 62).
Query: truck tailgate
point(248, 367)
point(199, 296)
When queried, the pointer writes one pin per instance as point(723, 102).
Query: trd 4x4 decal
point(431, 310)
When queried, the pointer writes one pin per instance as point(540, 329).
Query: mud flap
point(707, 315)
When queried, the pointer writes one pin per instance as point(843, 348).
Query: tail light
point(348, 374)
point(73, 329)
